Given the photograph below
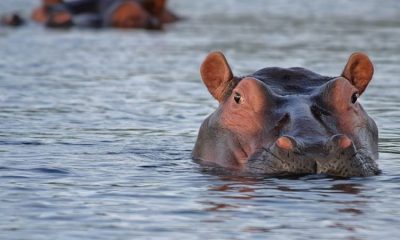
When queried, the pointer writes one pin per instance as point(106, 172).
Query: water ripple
point(97, 127)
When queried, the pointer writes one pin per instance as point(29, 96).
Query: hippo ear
point(359, 71)
point(216, 74)
point(155, 7)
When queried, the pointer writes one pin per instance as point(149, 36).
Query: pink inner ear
point(216, 74)
point(359, 71)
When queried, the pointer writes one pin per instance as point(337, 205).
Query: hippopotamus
point(148, 14)
point(12, 20)
point(289, 121)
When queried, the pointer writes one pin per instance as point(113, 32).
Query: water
point(96, 127)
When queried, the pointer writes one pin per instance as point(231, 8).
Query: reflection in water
point(257, 230)
point(350, 210)
point(349, 188)
point(271, 196)
point(218, 206)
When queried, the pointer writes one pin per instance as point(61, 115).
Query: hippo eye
point(354, 97)
point(237, 97)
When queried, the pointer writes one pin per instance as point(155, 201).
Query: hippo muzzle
point(336, 157)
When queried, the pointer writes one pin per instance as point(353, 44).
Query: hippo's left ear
point(359, 71)
point(154, 7)
point(216, 74)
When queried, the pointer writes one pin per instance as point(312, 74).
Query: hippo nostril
point(286, 142)
point(344, 142)
point(339, 141)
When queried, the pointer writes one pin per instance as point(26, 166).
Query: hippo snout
point(336, 156)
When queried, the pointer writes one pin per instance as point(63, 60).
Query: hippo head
point(154, 7)
point(285, 121)
point(131, 14)
point(50, 3)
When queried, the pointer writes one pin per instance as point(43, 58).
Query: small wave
point(51, 170)
point(34, 143)
point(40, 170)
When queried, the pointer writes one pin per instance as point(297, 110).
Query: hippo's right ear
point(359, 71)
point(216, 74)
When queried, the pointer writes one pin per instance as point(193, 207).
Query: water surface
point(96, 127)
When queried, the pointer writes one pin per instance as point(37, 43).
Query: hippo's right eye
point(237, 97)
point(354, 97)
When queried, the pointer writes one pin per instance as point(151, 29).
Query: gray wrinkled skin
point(356, 160)
point(355, 163)
point(298, 95)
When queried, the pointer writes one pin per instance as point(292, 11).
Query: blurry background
point(97, 126)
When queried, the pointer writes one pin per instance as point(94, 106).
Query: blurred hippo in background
point(147, 14)
point(12, 19)
point(289, 121)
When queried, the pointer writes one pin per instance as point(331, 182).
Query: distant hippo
point(285, 121)
point(12, 20)
point(148, 14)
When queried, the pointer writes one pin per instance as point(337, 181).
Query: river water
point(96, 127)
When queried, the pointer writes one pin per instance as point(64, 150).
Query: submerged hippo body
point(281, 121)
point(149, 14)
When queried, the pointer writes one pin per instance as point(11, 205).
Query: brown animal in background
point(148, 14)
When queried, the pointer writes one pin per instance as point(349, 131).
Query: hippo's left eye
point(354, 97)
point(237, 97)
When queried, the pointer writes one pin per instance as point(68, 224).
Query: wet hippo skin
point(149, 14)
point(285, 121)
point(12, 19)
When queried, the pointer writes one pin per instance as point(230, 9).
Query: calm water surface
point(96, 127)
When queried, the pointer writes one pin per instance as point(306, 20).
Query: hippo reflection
point(289, 120)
